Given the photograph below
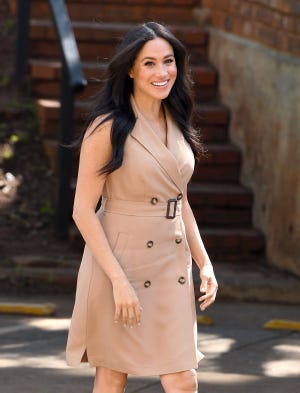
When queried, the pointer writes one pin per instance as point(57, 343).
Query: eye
point(149, 63)
point(170, 61)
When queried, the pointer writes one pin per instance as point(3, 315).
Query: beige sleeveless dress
point(141, 216)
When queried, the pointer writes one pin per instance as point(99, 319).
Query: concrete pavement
point(241, 356)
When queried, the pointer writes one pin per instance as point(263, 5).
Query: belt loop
point(171, 203)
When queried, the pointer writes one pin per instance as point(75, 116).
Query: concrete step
point(214, 133)
point(233, 244)
point(45, 76)
point(222, 164)
point(212, 114)
point(97, 41)
point(123, 11)
point(212, 120)
point(225, 245)
point(243, 282)
point(221, 204)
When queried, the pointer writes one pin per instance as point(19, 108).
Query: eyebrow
point(154, 58)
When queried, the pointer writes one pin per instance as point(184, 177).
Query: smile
point(160, 84)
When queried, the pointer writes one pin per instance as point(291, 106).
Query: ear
point(130, 73)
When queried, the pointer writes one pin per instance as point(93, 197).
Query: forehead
point(158, 47)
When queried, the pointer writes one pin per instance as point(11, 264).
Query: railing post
point(22, 41)
point(64, 167)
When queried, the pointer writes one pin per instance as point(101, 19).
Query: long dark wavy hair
point(113, 99)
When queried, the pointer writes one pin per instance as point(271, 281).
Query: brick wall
point(275, 23)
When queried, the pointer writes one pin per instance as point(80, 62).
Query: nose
point(161, 70)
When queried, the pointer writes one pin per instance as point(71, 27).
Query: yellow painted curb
point(27, 308)
point(204, 320)
point(284, 324)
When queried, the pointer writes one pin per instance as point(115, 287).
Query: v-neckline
point(163, 154)
point(166, 145)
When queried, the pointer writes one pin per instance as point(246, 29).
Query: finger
point(124, 316)
point(117, 314)
point(204, 297)
point(137, 310)
point(131, 316)
point(210, 293)
point(206, 303)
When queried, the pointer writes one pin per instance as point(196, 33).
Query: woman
point(134, 311)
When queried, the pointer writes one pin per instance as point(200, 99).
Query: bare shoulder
point(96, 145)
point(99, 128)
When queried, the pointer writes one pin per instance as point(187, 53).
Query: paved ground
point(241, 356)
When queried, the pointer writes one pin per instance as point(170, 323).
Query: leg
point(109, 381)
point(181, 382)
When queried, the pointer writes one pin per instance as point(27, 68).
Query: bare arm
point(209, 283)
point(95, 152)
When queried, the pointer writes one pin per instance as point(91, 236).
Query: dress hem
point(93, 362)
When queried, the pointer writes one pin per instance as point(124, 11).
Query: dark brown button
point(147, 284)
point(154, 201)
point(179, 196)
point(150, 244)
point(178, 240)
point(181, 280)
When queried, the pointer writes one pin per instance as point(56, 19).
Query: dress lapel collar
point(144, 134)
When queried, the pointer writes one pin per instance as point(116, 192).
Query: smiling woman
point(134, 310)
point(154, 78)
point(159, 71)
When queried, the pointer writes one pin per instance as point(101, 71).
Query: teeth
point(159, 83)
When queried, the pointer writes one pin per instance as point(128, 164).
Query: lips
point(160, 84)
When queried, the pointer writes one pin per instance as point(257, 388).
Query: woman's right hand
point(128, 309)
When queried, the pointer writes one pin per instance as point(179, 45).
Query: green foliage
point(7, 152)
point(14, 138)
point(8, 27)
point(38, 168)
point(19, 268)
point(4, 81)
point(24, 106)
point(47, 208)
point(29, 107)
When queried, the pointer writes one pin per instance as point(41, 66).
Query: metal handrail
point(68, 46)
point(72, 81)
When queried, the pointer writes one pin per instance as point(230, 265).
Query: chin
point(163, 94)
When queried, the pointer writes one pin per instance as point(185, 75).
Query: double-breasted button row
point(181, 281)
point(150, 243)
point(154, 200)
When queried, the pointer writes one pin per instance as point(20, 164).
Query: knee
point(185, 381)
point(109, 381)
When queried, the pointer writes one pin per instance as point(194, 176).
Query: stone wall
point(261, 88)
point(255, 45)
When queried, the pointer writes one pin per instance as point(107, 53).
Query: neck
point(150, 108)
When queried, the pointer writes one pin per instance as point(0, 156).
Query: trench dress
point(141, 216)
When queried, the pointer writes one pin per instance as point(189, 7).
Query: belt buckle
point(172, 203)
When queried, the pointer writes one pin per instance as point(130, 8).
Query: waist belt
point(169, 209)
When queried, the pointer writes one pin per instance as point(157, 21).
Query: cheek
point(173, 72)
point(143, 76)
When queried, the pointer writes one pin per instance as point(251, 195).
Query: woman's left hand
point(209, 286)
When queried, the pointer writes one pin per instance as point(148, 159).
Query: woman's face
point(154, 70)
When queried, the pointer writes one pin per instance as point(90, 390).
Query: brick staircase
point(222, 206)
